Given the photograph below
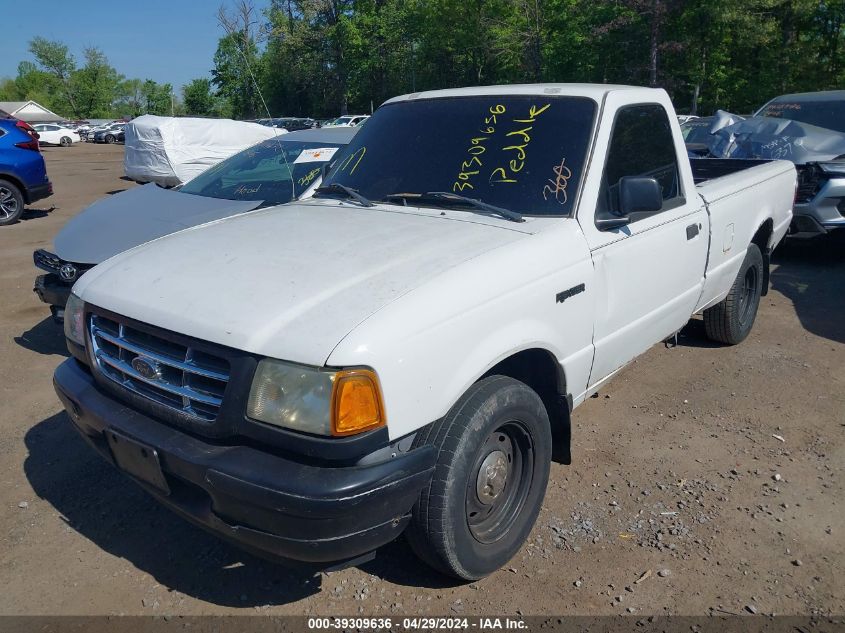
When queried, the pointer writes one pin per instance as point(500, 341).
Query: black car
point(113, 135)
point(291, 124)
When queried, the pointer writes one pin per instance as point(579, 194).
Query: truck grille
point(178, 376)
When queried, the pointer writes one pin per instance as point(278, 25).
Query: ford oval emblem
point(68, 272)
point(147, 367)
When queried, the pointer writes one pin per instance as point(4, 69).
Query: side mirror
point(639, 197)
point(639, 194)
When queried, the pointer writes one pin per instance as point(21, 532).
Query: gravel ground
point(705, 479)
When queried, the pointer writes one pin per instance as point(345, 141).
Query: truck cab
point(402, 353)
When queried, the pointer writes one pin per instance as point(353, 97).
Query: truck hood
point(289, 282)
point(141, 214)
point(774, 138)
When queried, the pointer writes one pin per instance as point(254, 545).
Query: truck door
point(649, 273)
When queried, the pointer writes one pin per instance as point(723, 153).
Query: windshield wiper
point(349, 192)
point(447, 196)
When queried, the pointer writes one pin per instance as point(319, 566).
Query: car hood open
point(289, 282)
point(136, 216)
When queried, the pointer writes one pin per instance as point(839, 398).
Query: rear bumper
point(39, 192)
point(276, 507)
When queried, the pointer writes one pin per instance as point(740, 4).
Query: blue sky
point(164, 40)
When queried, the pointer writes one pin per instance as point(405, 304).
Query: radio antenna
point(244, 11)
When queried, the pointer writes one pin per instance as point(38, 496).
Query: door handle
point(692, 230)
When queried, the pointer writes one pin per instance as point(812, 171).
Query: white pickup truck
point(403, 352)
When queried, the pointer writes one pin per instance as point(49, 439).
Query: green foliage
point(323, 57)
point(95, 90)
point(96, 85)
point(326, 56)
point(236, 73)
point(55, 60)
point(157, 98)
point(198, 98)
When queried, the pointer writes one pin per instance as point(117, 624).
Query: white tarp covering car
point(170, 151)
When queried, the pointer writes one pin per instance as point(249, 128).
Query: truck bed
point(740, 194)
point(711, 168)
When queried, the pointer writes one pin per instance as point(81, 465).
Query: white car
point(51, 134)
point(348, 121)
point(403, 353)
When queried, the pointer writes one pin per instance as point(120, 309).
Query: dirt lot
point(677, 471)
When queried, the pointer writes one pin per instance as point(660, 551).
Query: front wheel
point(109, 139)
point(730, 321)
point(494, 455)
point(65, 141)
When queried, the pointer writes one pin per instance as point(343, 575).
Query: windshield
point(523, 153)
point(825, 113)
point(261, 173)
point(697, 130)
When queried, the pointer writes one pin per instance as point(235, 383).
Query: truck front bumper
point(824, 213)
point(281, 508)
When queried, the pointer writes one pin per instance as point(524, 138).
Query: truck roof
point(594, 91)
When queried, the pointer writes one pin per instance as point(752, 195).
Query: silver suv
point(819, 156)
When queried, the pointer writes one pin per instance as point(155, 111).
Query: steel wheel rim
point(494, 499)
point(746, 298)
point(8, 203)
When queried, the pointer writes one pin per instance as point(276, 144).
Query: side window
point(640, 145)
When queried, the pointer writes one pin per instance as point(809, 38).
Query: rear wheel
point(494, 454)
point(65, 141)
point(11, 203)
point(109, 139)
point(731, 320)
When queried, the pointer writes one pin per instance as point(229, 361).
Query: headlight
point(75, 320)
point(318, 401)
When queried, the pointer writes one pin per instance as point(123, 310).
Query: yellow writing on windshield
point(352, 161)
point(520, 138)
point(472, 166)
point(308, 178)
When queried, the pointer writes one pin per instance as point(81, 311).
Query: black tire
point(731, 320)
point(466, 524)
point(109, 139)
point(65, 141)
point(11, 203)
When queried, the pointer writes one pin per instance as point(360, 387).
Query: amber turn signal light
point(356, 402)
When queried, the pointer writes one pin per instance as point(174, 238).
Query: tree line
point(93, 89)
point(326, 57)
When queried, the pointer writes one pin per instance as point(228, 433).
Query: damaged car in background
point(807, 129)
point(273, 172)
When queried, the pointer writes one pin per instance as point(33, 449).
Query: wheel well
point(18, 184)
point(539, 369)
point(761, 239)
